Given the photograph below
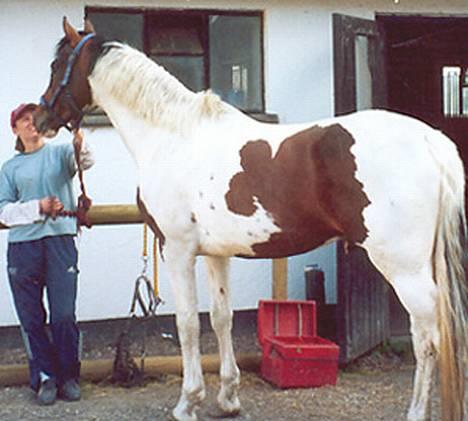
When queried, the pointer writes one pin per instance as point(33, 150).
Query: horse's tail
point(448, 263)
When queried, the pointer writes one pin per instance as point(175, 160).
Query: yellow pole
point(280, 279)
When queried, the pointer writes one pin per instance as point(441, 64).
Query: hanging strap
point(145, 294)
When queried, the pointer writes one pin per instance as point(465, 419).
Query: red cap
point(19, 111)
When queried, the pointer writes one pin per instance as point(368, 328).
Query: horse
point(214, 182)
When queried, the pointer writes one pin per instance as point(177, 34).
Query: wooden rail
point(115, 214)
point(97, 370)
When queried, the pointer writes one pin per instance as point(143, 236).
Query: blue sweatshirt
point(28, 177)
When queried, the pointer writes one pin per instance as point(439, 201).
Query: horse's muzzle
point(45, 123)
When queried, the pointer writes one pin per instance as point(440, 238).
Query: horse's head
point(68, 92)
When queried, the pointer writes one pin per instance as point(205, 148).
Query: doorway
point(426, 62)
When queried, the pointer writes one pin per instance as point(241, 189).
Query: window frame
point(146, 13)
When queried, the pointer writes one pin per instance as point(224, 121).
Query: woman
point(35, 185)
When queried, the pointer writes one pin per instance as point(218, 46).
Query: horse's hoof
point(417, 416)
point(230, 408)
point(183, 416)
point(221, 413)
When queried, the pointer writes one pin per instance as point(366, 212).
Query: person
point(35, 186)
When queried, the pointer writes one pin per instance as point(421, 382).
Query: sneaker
point(47, 393)
point(70, 391)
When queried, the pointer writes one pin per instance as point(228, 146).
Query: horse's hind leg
point(221, 321)
point(181, 266)
point(418, 294)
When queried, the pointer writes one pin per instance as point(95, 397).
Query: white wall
point(298, 75)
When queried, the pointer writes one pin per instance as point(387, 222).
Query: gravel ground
point(376, 387)
point(376, 395)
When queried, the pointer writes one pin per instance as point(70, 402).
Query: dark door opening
point(427, 71)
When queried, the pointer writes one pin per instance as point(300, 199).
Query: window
point(202, 48)
point(455, 91)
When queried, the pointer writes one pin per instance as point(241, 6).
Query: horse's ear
point(71, 33)
point(88, 27)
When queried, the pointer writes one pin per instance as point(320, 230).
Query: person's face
point(24, 127)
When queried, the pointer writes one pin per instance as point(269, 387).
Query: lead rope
point(84, 202)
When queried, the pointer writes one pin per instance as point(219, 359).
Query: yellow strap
point(155, 267)
point(145, 240)
point(155, 257)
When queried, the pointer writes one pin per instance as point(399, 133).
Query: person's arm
point(30, 212)
point(14, 212)
point(21, 213)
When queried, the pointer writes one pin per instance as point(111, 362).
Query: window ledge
point(265, 117)
point(96, 120)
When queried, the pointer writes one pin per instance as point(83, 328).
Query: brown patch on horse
point(148, 219)
point(309, 188)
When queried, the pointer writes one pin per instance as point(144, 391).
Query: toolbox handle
point(300, 323)
point(275, 327)
point(299, 319)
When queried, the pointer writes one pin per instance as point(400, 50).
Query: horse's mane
point(150, 91)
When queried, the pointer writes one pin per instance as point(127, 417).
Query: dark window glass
point(189, 70)
point(235, 62)
point(177, 43)
point(124, 27)
point(203, 49)
point(170, 35)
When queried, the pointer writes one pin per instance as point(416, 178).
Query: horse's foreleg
point(221, 321)
point(418, 294)
point(181, 267)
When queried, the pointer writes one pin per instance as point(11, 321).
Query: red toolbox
point(293, 355)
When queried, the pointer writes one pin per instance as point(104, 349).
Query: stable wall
point(298, 88)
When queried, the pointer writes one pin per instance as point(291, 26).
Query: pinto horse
point(216, 183)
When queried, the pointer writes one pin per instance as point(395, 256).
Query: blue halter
point(63, 85)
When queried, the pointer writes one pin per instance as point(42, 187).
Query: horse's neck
point(146, 104)
point(141, 139)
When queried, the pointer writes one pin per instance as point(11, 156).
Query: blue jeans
point(49, 263)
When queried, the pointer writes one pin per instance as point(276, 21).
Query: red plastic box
point(293, 355)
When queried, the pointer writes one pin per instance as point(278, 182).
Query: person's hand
point(78, 139)
point(50, 206)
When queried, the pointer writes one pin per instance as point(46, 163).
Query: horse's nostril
point(40, 123)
